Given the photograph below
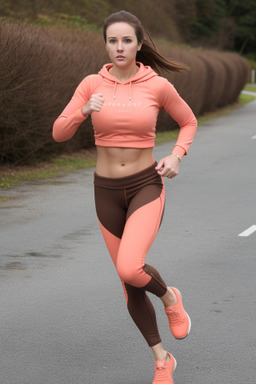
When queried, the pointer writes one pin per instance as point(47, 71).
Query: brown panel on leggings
point(156, 285)
point(143, 314)
point(143, 196)
point(111, 209)
point(117, 199)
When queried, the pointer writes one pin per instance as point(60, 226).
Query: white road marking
point(248, 231)
point(254, 137)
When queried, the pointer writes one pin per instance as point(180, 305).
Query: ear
point(139, 47)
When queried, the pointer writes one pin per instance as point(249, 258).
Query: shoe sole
point(184, 337)
point(175, 364)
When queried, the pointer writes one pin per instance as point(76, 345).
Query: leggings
point(129, 211)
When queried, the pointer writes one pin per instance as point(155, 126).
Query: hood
point(144, 73)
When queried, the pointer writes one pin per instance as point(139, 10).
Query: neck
point(124, 74)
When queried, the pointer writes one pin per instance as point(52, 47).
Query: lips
point(120, 57)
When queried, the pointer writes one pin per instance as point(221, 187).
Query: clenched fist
point(94, 104)
point(168, 166)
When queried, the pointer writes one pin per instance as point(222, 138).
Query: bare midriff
point(120, 162)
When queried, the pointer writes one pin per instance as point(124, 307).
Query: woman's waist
point(137, 180)
point(118, 162)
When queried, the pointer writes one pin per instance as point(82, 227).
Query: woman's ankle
point(169, 298)
point(159, 353)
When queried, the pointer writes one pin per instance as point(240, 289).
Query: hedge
point(41, 67)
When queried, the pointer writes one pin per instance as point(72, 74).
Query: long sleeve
point(72, 117)
point(178, 109)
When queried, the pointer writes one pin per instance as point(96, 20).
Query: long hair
point(148, 54)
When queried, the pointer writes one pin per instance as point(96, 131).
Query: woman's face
point(122, 44)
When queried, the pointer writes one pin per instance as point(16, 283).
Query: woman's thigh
point(139, 233)
point(111, 215)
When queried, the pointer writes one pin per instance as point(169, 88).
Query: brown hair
point(148, 54)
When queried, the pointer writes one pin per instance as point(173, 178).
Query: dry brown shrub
point(230, 72)
point(215, 82)
point(190, 84)
point(239, 74)
point(40, 69)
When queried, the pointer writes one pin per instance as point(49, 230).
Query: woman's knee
point(132, 275)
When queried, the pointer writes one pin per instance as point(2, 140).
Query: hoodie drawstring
point(114, 93)
point(130, 91)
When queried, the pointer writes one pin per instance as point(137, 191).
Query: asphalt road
point(63, 316)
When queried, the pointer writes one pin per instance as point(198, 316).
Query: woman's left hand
point(168, 166)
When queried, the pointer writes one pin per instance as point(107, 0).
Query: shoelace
point(174, 315)
point(161, 373)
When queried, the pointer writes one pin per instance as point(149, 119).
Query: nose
point(120, 46)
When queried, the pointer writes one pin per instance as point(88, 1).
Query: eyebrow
point(124, 37)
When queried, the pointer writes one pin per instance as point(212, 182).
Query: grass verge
point(52, 168)
point(243, 99)
point(250, 87)
point(10, 176)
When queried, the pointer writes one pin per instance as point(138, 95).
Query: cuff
point(179, 150)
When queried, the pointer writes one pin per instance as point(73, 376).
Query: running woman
point(124, 100)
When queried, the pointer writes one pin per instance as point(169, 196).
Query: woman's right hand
point(94, 104)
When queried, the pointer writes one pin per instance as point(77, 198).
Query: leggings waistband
point(148, 175)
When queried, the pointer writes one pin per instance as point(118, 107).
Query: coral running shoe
point(164, 370)
point(179, 320)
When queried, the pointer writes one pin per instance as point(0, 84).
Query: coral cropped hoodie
point(129, 114)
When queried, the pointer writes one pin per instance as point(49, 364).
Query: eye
point(127, 41)
point(112, 41)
